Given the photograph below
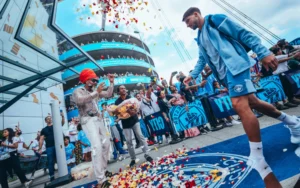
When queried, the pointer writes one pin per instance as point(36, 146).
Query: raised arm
point(109, 91)
point(171, 79)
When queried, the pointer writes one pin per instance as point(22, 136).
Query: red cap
point(87, 74)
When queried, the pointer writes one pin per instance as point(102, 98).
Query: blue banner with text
point(144, 128)
point(272, 90)
point(221, 105)
point(157, 124)
point(183, 119)
point(294, 78)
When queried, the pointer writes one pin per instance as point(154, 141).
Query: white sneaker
point(125, 147)
point(168, 139)
point(297, 151)
point(235, 122)
point(28, 183)
point(295, 132)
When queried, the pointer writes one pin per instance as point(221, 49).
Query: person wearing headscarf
point(87, 98)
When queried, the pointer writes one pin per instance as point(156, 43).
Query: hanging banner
point(184, 120)
point(144, 129)
point(157, 124)
point(221, 105)
point(294, 78)
point(272, 89)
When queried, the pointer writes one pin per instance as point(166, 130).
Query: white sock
point(257, 159)
point(289, 120)
point(297, 151)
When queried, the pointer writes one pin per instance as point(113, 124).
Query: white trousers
point(99, 138)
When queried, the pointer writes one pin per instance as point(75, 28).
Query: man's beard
point(195, 25)
point(91, 86)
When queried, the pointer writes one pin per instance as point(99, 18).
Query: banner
point(221, 105)
point(272, 89)
point(294, 78)
point(184, 120)
point(157, 124)
point(296, 41)
point(144, 129)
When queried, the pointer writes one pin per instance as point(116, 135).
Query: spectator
point(35, 145)
point(110, 121)
point(165, 106)
point(207, 75)
point(286, 61)
point(140, 97)
point(265, 73)
point(177, 101)
point(73, 130)
point(5, 167)
point(85, 143)
point(283, 67)
point(11, 145)
point(70, 153)
point(47, 135)
point(286, 47)
point(149, 106)
point(20, 140)
point(177, 84)
point(185, 90)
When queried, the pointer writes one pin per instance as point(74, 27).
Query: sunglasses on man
point(95, 80)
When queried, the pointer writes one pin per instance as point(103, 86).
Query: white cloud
point(279, 16)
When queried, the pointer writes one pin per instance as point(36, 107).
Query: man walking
point(86, 99)
point(223, 45)
point(48, 135)
point(132, 124)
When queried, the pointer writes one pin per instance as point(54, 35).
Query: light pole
point(137, 32)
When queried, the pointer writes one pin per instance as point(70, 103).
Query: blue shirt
point(177, 85)
point(209, 84)
point(213, 54)
point(217, 91)
point(69, 151)
point(82, 137)
point(111, 118)
point(208, 88)
point(201, 90)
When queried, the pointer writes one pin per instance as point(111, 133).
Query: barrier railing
point(270, 89)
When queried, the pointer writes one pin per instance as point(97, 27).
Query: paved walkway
point(200, 141)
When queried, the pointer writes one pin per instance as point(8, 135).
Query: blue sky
point(279, 16)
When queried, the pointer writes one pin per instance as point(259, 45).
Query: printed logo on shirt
point(238, 88)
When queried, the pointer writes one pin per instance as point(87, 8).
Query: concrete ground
point(200, 141)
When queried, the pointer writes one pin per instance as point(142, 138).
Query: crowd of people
point(68, 46)
point(123, 75)
point(90, 137)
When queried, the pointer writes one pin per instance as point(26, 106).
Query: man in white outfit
point(86, 99)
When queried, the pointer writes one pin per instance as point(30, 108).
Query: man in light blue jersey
point(223, 45)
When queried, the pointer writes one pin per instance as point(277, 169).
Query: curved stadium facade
point(118, 53)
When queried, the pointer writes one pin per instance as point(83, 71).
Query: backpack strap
point(213, 25)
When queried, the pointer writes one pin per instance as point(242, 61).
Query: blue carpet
point(275, 139)
point(231, 154)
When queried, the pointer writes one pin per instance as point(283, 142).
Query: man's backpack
point(212, 24)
